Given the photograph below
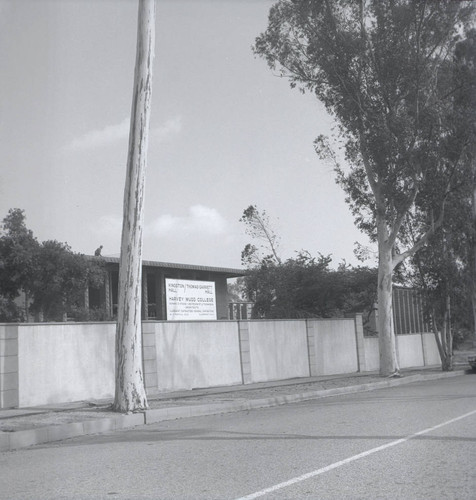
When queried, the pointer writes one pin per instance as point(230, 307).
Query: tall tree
point(130, 392)
point(466, 99)
point(441, 271)
point(381, 69)
point(444, 269)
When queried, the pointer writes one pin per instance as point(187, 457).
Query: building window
point(114, 292)
point(151, 296)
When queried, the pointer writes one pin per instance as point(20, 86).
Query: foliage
point(60, 279)
point(300, 287)
point(80, 313)
point(50, 274)
point(258, 226)
point(306, 287)
point(10, 312)
point(444, 268)
point(235, 290)
point(465, 56)
point(18, 247)
point(384, 72)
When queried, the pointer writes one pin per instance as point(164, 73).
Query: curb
point(22, 439)
point(30, 437)
point(163, 414)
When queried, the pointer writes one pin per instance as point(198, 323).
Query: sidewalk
point(25, 427)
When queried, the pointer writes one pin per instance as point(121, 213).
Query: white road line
point(335, 465)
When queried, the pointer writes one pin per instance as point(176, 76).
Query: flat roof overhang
point(227, 271)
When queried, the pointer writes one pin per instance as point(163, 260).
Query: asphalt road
point(415, 441)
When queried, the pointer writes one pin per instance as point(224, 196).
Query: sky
point(226, 132)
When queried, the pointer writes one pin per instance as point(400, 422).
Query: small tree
point(258, 227)
point(60, 278)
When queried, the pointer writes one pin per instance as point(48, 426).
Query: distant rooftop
point(228, 271)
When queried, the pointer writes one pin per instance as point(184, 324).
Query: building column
point(9, 390)
point(311, 334)
point(108, 294)
point(244, 340)
point(145, 296)
point(161, 300)
point(149, 358)
point(359, 337)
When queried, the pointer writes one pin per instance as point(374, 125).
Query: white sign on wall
point(190, 300)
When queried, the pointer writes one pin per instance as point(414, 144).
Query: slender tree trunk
point(449, 336)
point(387, 349)
point(473, 251)
point(444, 342)
point(130, 391)
point(437, 335)
point(444, 336)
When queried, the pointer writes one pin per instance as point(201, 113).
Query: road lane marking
point(364, 454)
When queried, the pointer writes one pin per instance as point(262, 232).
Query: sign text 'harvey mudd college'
point(190, 300)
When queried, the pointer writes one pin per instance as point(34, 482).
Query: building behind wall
point(154, 275)
point(240, 310)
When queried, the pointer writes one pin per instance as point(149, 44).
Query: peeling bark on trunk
point(387, 348)
point(130, 391)
point(444, 340)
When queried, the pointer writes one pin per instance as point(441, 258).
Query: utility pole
point(130, 390)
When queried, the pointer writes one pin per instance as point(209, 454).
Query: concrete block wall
point(64, 362)
point(431, 355)
point(278, 350)
point(413, 351)
point(197, 354)
point(410, 350)
point(335, 346)
point(372, 355)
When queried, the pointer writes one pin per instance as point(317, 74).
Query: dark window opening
point(151, 296)
point(94, 298)
point(114, 291)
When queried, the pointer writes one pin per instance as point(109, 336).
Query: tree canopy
point(52, 277)
point(306, 287)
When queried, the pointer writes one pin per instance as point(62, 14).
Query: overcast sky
point(225, 132)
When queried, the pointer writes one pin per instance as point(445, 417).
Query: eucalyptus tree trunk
point(447, 334)
point(444, 336)
point(386, 336)
point(130, 391)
